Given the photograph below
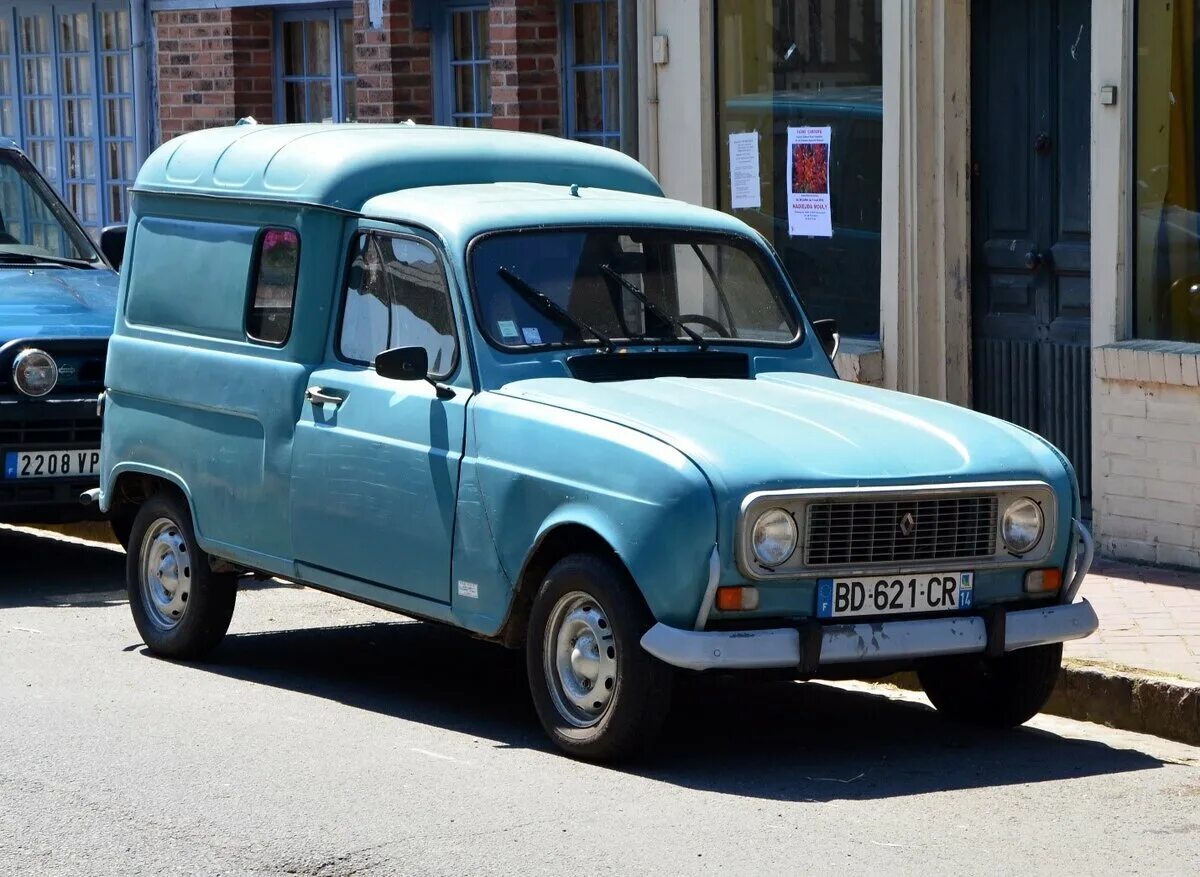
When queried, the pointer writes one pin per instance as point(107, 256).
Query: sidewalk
point(1149, 619)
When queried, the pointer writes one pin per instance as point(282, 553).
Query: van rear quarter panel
point(190, 397)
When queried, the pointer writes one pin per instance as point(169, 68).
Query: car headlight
point(35, 372)
point(774, 537)
point(1022, 525)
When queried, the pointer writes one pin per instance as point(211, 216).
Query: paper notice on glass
point(744, 182)
point(808, 183)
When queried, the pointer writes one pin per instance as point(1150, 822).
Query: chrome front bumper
point(883, 641)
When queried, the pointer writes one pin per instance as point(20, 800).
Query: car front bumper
point(813, 645)
point(68, 423)
point(875, 642)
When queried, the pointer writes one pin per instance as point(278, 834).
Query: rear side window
point(277, 262)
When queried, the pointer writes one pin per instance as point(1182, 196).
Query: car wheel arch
point(554, 543)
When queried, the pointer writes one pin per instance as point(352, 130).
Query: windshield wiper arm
point(31, 259)
point(551, 308)
point(662, 314)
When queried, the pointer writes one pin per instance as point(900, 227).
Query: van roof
point(342, 166)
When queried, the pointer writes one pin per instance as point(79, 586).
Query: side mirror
point(827, 334)
point(403, 364)
point(112, 244)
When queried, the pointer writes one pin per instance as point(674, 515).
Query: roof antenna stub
point(574, 190)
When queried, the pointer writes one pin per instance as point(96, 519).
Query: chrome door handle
point(318, 396)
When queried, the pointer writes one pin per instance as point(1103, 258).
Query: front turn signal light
point(737, 599)
point(1043, 581)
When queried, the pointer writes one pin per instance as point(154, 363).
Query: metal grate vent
point(50, 433)
point(900, 531)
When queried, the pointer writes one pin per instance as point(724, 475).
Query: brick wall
point(1147, 448)
point(393, 66)
point(525, 46)
point(214, 67)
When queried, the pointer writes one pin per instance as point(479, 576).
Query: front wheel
point(180, 606)
point(599, 694)
point(998, 692)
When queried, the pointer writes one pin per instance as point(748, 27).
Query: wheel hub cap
point(580, 659)
point(166, 578)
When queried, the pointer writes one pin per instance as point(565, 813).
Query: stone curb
point(1120, 697)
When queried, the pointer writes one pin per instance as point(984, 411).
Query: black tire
point(209, 597)
point(121, 523)
point(640, 695)
point(993, 692)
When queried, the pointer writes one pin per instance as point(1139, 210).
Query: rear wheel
point(180, 606)
point(995, 692)
point(599, 694)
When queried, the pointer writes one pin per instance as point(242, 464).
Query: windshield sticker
point(808, 182)
point(508, 329)
point(532, 335)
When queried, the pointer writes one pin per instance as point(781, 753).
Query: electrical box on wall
point(660, 49)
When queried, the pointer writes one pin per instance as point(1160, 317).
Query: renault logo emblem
point(908, 524)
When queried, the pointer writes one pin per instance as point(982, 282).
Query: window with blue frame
point(465, 92)
point(315, 65)
point(67, 98)
point(593, 71)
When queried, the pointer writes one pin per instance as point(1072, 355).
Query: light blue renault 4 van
point(498, 381)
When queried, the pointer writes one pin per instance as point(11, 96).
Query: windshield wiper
point(660, 313)
point(552, 309)
point(31, 259)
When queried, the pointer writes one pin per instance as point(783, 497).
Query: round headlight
point(774, 537)
point(1022, 525)
point(35, 372)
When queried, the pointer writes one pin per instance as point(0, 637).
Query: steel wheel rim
point(579, 655)
point(166, 574)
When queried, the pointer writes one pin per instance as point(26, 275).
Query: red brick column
point(525, 47)
point(214, 67)
point(393, 66)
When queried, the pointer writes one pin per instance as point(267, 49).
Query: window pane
point(293, 48)
point(460, 26)
point(397, 297)
point(349, 101)
point(114, 30)
point(612, 36)
point(320, 98)
point(317, 57)
point(464, 88)
point(808, 63)
point(1167, 193)
point(589, 107)
point(347, 29)
point(270, 317)
point(483, 87)
point(294, 102)
point(587, 31)
point(612, 99)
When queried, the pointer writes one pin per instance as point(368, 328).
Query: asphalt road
point(326, 738)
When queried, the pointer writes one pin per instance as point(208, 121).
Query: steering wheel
point(707, 322)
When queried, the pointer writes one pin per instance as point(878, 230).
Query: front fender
point(649, 502)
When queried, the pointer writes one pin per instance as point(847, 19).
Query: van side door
point(376, 461)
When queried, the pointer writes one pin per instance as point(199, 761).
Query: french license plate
point(895, 594)
point(51, 464)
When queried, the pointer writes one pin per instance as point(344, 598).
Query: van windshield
point(34, 225)
point(601, 286)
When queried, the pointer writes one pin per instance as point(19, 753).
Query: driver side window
point(397, 296)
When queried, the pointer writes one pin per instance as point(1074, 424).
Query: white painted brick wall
point(1146, 503)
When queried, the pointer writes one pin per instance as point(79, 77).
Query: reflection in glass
point(1167, 194)
point(810, 63)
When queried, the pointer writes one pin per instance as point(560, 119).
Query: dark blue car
point(57, 300)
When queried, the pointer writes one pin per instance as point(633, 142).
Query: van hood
point(56, 302)
point(788, 430)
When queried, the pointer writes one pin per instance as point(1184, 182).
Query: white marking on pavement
point(436, 755)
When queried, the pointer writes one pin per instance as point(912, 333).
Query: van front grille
point(900, 531)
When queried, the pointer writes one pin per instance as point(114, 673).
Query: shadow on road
point(776, 741)
point(40, 570)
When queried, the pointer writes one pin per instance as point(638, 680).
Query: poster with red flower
point(809, 213)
